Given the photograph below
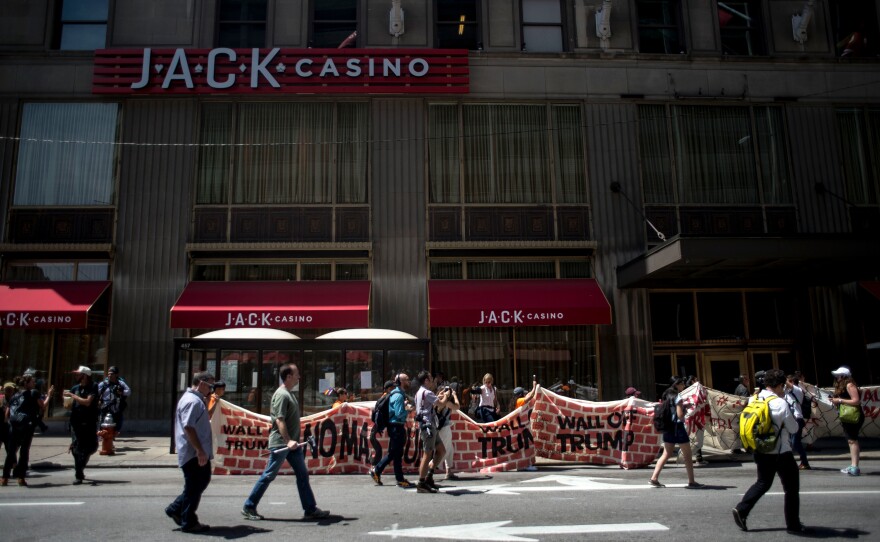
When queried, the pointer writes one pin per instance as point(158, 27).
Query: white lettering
point(145, 71)
point(354, 67)
point(179, 61)
point(422, 63)
point(258, 68)
point(329, 67)
point(391, 66)
point(265, 319)
point(372, 65)
point(212, 65)
point(303, 62)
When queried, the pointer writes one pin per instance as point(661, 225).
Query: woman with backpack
point(675, 434)
point(23, 410)
point(846, 394)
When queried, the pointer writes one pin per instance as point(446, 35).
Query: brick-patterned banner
point(717, 412)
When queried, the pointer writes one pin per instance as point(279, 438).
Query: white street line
point(41, 503)
point(841, 492)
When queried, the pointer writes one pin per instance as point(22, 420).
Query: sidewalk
point(138, 451)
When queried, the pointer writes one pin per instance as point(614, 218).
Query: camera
point(759, 379)
point(311, 443)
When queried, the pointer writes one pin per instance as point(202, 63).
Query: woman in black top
point(29, 404)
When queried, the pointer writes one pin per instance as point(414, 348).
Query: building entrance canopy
point(517, 303)
point(217, 305)
point(48, 305)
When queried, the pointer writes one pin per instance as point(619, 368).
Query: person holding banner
point(678, 435)
point(779, 462)
point(487, 412)
point(846, 393)
point(426, 415)
point(398, 410)
point(794, 396)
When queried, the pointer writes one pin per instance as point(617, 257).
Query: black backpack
point(663, 415)
point(19, 413)
point(381, 414)
point(807, 405)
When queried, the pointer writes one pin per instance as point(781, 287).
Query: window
point(82, 25)
point(672, 317)
point(741, 31)
point(542, 29)
point(660, 26)
point(854, 26)
point(66, 155)
point(484, 153)
point(280, 271)
point(283, 153)
point(55, 271)
point(496, 269)
point(860, 151)
point(333, 21)
point(457, 26)
point(241, 23)
point(719, 155)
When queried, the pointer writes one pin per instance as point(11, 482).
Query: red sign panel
point(48, 305)
point(280, 71)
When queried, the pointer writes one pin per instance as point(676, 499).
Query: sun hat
point(843, 370)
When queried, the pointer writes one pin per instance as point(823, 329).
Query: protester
point(473, 398)
point(114, 393)
point(743, 389)
point(678, 435)
point(217, 394)
point(488, 410)
point(633, 392)
point(700, 434)
point(779, 462)
point(794, 396)
point(83, 421)
point(846, 392)
point(520, 397)
point(387, 388)
point(23, 411)
point(192, 437)
point(341, 397)
point(284, 445)
point(426, 402)
point(398, 410)
point(444, 424)
point(5, 431)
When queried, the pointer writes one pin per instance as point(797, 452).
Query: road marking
point(563, 483)
point(41, 503)
point(842, 492)
point(498, 531)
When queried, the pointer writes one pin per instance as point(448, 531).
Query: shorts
point(678, 436)
point(851, 430)
point(429, 442)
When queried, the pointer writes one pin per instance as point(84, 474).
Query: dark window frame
point(678, 25)
point(476, 24)
point(313, 22)
point(741, 29)
point(220, 23)
point(562, 24)
point(60, 23)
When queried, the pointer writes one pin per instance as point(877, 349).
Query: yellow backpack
point(756, 430)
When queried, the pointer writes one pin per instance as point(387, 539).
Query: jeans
point(487, 414)
point(768, 466)
point(195, 481)
point(796, 444)
point(296, 459)
point(19, 443)
point(397, 441)
point(84, 444)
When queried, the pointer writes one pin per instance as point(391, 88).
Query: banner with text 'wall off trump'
point(549, 425)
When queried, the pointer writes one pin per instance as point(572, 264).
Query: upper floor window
point(333, 22)
point(241, 23)
point(457, 26)
point(713, 155)
point(860, 153)
point(283, 153)
point(741, 28)
point(512, 268)
point(486, 153)
point(660, 26)
point(57, 270)
point(542, 26)
point(82, 25)
point(66, 155)
point(280, 271)
point(854, 24)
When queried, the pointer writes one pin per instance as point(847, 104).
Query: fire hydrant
point(107, 434)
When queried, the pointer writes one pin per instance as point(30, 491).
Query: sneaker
point(249, 512)
point(799, 529)
point(22, 482)
point(530, 468)
point(196, 528)
point(695, 485)
point(452, 476)
point(77, 481)
point(317, 513)
point(406, 484)
point(805, 466)
point(852, 471)
point(375, 476)
point(429, 481)
point(423, 487)
point(175, 517)
point(739, 519)
point(656, 483)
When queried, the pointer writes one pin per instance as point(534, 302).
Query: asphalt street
point(556, 503)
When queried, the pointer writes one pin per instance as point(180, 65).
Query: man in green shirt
point(284, 444)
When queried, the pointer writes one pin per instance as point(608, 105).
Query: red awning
point(286, 305)
point(48, 305)
point(517, 303)
point(872, 286)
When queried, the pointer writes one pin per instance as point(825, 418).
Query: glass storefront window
point(363, 374)
point(240, 370)
point(323, 371)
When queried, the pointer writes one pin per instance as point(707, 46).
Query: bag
point(663, 416)
point(756, 430)
point(849, 413)
point(19, 417)
point(807, 406)
point(381, 413)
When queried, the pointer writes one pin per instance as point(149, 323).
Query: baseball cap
point(519, 391)
point(843, 370)
point(8, 385)
point(632, 391)
point(82, 369)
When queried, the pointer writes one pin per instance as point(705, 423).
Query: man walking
point(426, 401)
point(114, 393)
point(779, 461)
point(284, 444)
point(398, 410)
point(192, 436)
point(83, 421)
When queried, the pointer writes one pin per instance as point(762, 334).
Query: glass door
point(721, 371)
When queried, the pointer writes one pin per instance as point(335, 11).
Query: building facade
point(600, 193)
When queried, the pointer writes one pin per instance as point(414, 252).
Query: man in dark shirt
point(83, 421)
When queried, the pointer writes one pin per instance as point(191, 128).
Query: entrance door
point(722, 370)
